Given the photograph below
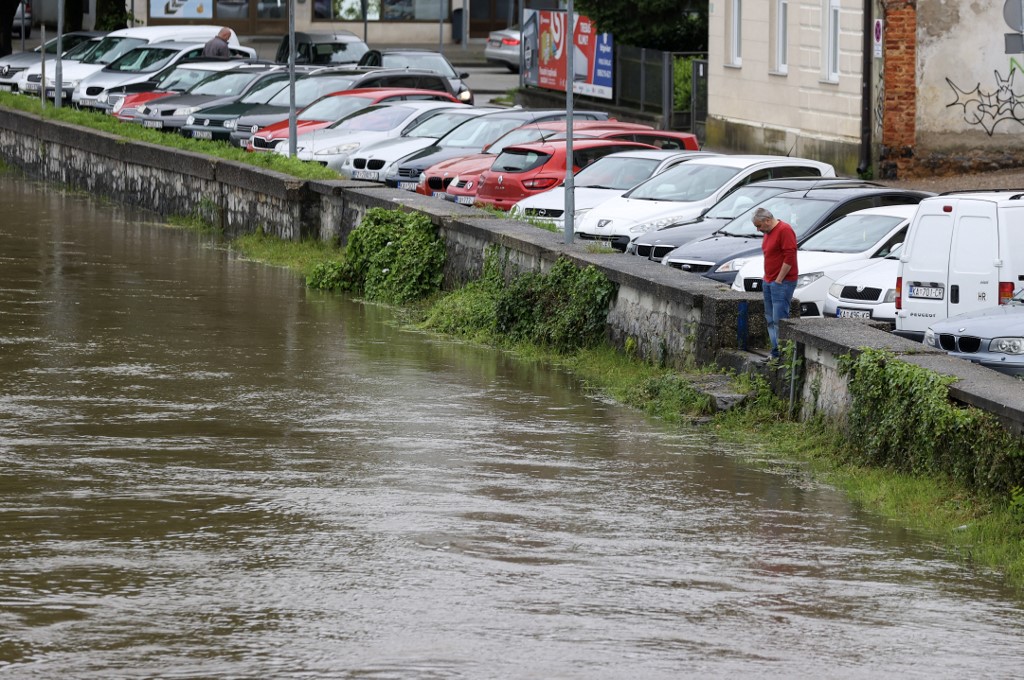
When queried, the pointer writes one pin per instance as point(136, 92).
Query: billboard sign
point(546, 37)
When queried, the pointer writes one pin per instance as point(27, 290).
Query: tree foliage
point(669, 25)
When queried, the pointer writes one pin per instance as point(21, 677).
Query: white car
point(683, 192)
point(866, 292)
point(604, 179)
point(372, 161)
point(854, 239)
point(330, 146)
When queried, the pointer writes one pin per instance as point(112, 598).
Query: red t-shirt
point(778, 246)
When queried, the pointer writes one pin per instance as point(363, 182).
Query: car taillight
point(1005, 292)
point(540, 184)
point(899, 292)
point(510, 42)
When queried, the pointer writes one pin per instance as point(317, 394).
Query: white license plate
point(364, 174)
point(153, 124)
point(465, 200)
point(494, 43)
point(408, 186)
point(202, 134)
point(852, 313)
point(438, 194)
point(50, 92)
point(86, 102)
point(926, 292)
point(4, 87)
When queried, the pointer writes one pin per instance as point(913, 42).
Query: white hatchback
point(683, 192)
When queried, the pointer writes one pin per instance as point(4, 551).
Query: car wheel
point(513, 68)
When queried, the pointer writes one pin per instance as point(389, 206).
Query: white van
point(109, 48)
point(964, 251)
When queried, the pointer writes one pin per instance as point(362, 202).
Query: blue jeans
point(777, 297)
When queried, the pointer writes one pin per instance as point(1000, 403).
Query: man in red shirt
point(780, 271)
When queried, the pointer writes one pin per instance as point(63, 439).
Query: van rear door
point(924, 267)
point(973, 270)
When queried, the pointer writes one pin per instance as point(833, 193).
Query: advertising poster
point(181, 9)
point(546, 37)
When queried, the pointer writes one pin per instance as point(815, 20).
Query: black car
point(719, 255)
point(471, 137)
point(654, 245)
point(326, 81)
point(340, 48)
point(414, 58)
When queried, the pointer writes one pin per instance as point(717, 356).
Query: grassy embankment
point(984, 529)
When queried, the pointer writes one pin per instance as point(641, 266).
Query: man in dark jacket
point(217, 47)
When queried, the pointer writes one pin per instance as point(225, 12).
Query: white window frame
point(830, 48)
point(780, 37)
point(735, 32)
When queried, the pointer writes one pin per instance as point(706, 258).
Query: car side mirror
point(463, 76)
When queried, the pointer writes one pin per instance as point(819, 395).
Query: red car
point(527, 169)
point(661, 139)
point(337, 105)
point(438, 179)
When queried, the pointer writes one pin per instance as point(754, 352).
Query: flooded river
point(208, 471)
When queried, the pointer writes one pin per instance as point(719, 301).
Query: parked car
point(992, 337)
point(457, 179)
point(721, 255)
point(504, 48)
point(604, 179)
point(170, 113)
point(654, 245)
point(109, 48)
point(421, 59)
point(375, 161)
point(520, 171)
point(471, 137)
point(326, 81)
point(857, 237)
point(22, 24)
point(865, 292)
point(138, 66)
point(964, 251)
point(14, 65)
point(339, 48)
point(336, 142)
point(335, 106)
point(684, 192)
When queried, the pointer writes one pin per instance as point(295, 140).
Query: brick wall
point(896, 158)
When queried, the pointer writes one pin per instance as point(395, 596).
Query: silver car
point(13, 66)
point(504, 48)
point(992, 337)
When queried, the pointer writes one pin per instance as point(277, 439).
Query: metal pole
point(58, 76)
point(292, 131)
point(570, 200)
point(42, 68)
point(465, 25)
point(365, 4)
point(440, 26)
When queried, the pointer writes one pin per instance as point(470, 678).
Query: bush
point(682, 82)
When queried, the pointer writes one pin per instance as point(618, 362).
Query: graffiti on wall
point(989, 107)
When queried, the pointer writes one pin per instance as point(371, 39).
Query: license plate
point(4, 87)
point(465, 200)
point(364, 174)
point(50, 92)
point(852, 313)
point(926, 292)
point(438, 194)
point(153, 124)
point(408, 186)
point(202, 134)
point(494, 43)
point(86, 102)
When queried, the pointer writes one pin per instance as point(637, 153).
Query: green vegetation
point(682, 77)
point(110, 124)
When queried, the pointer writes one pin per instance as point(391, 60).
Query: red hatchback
point(337, 105)
point(527, 169)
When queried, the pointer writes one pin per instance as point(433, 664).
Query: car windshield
point(799, 212)
point(224, 83)
point(110, 48)
point(424, 60)
point(143, 60)
point(308, 90)
point(685, 182)
point(78, 51)
point(266, 89)
point(70, 43)
point(441, 124)
point(477, 133)
point(338, 53)
point(740, 201)
point(179, 79)
point(379, 118)
point(334, 107)
point(615, 172)
point(852, 233)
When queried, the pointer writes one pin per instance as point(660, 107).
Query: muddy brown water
point(209, 471)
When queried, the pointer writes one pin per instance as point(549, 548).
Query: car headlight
point(230, 124)
point(422, 179)
point(185, 111)
point(190, 120)
point(1006, 345)
point(929, 338)
point(836, 290)
point(651, 225)
point(807, 279)
point(118, 106)
point(337, 150)
point(732, 265)
point(580, 213)
point(465, 96)
point(102, 97)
